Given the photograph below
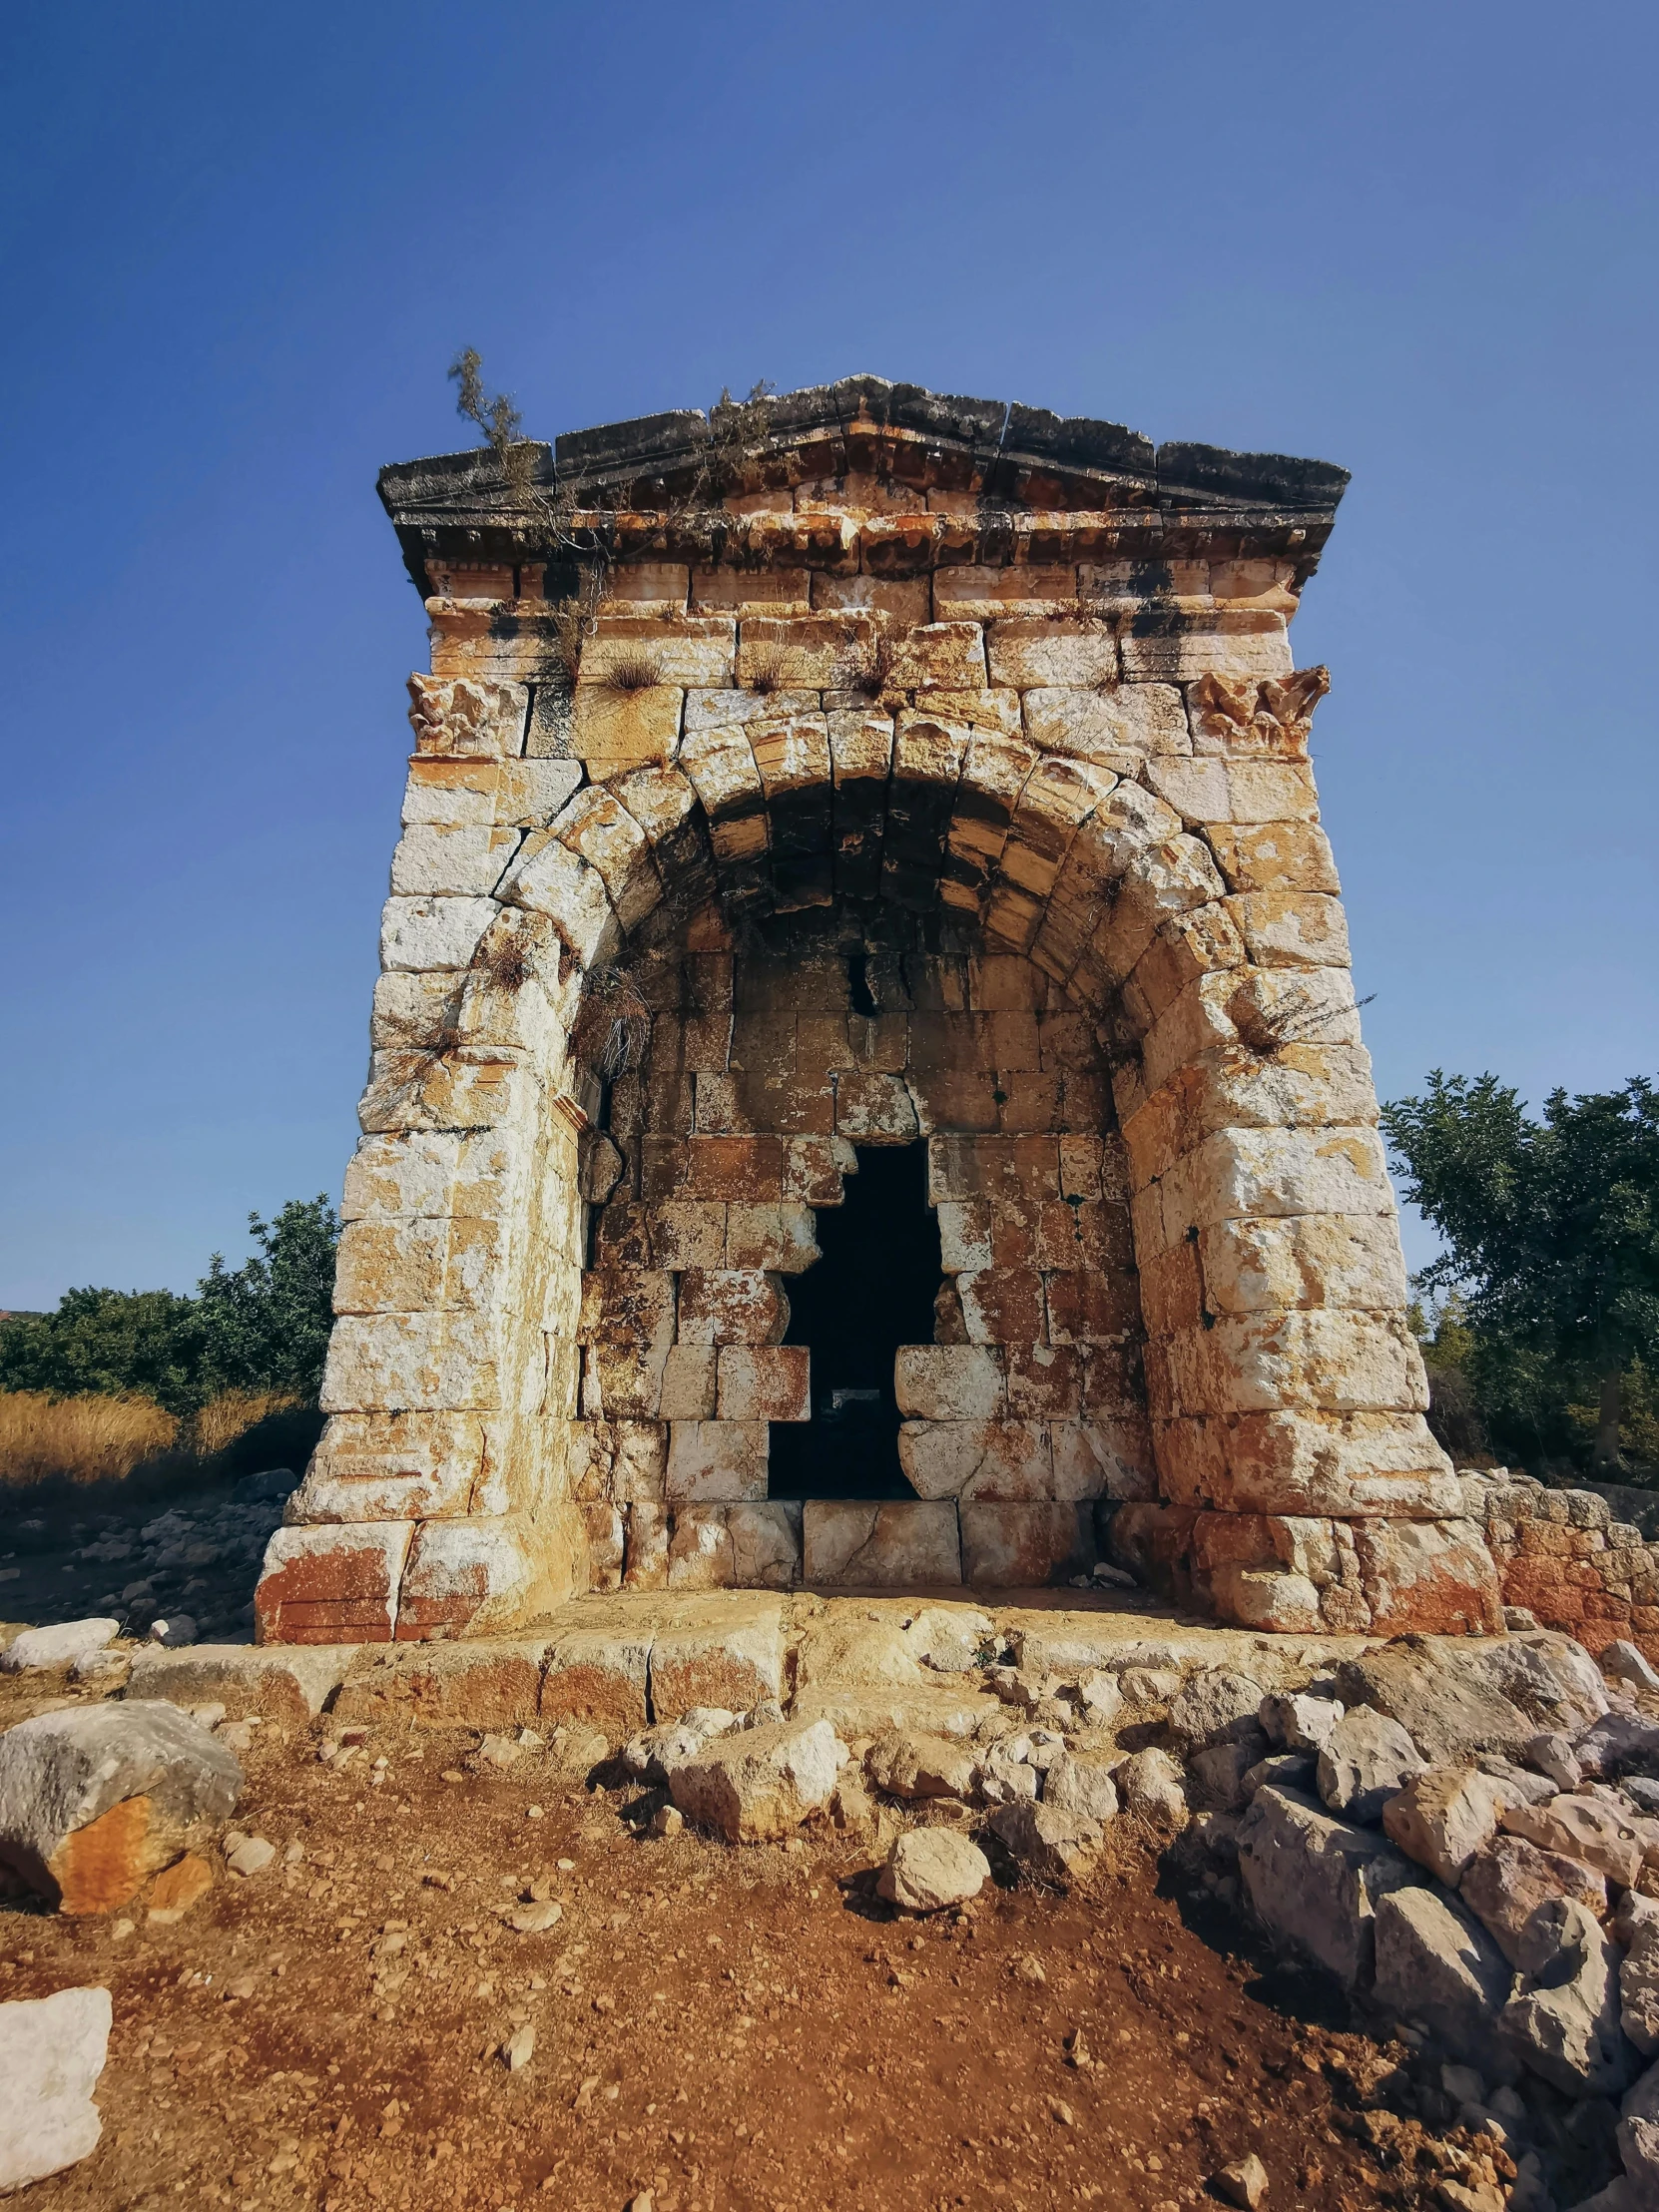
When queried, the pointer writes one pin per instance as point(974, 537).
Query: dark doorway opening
point(872, 1291)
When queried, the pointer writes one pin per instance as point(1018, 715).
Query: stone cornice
point(864, 474)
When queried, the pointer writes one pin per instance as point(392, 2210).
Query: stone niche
point(862, 770)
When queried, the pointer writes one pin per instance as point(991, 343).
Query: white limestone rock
point(60, 1772)
point(1301, 1722)
point(911, 1763)
point(1551, 1752)
point(932, 1868)
point(1639, 1989)
point(1623, 1662)
point(52, 2051)
point(1439, 1969)
point(1216, 1707)
point(38, 1649)
point(1049, 1844)
point(1366, 1760)
point(1549, 1677)
point(1152, 1785)
point(655, 1751)
point(761, 1783)
point(1316, 1880)
point(1442, 1816)
point(1564, 2020)
point(1083, 1787)
point(949, 1638)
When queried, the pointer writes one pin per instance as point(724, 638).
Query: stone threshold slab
point(618, 1659)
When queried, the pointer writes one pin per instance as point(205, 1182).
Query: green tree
point(111, 1342)
point(1551, 1228)
point(264, 1326)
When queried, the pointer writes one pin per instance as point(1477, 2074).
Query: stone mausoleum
point(866, 1089)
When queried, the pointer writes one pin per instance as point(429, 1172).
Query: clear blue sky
point(241, 244)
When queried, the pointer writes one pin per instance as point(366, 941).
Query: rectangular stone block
point(596, 1674)
point(1249, 643)
point(992, 1167)
point(764, 1382)
point(398, 1467)
point(1027, 1546)
point(688, 1233)
point(717, 1460)
point(1317, 1360)
point(1274, 857)
point(859, 1543)
point(1028, 654)
point(438, 860)
point(1306, 1260)
point(332, 1585)
point(749, 1169)
point(779, 1239)
point(1084, 1307)
point(733, 1658)
point(982, 593)
point(1044, 1382)
point(1275, 1172)
point(433, 931)
point(731, 1305)
point(987, 1459)
point(445, 1685)
point(410, 1361)
point(688, 1392)
point(1097, 1458)
point(948, 1382)
point(683, 650)
point(291, 1686)
point(1003, 1306)
point(1292, 929)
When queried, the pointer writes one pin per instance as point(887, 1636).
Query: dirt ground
point(719, 2027)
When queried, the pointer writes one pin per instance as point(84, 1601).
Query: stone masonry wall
point(1562, 1556)
point(1020, 679)
point(758, 1082)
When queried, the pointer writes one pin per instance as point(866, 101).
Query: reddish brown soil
point(724, 2028)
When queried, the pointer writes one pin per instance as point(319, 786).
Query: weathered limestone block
point(1231, 642)
point(764, 1382)
point(760, 1782)
point(400, 1466)
point(646, 1546)
point(596, 1674)
point(948, 1382)
point(482, 1574)
point(433, 933)
point(330, 1585)
point(1317, 1882)
point(464, 861)
point(1274, 857)
point(419, 1362)
point(1238, 1173)
point(418, 1264)
point(52, 2051)
point(288, 1685)
point(445, 1685)
point(731, 1659)
point(1104, 725)
point(689, 1382)
point(624, 1462)
point(1444, 1816)
point(731, 1305)
point(548, 877)
point(1436, 1968)
point(1436, 1577)
point(1508, 1877)
point(1025, 1545)
point(604, 1543)
point(717, 1460)
point(1100, 1458)
point(989, 1460)
point(1325, 1260)
point(781, 1239)
point(1317, 1358)
point(851, 1541)
point(1302, 1463)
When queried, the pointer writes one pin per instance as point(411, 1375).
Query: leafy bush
point(260, 1329)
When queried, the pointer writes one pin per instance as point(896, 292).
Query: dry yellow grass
point(97, 1439)
point(87, 1438)
point(223, 1419)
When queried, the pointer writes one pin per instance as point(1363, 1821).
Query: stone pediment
point(780, 479)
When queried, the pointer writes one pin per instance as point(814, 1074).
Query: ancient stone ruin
point(866, 1087)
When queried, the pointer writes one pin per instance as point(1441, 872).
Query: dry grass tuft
point(775, 668)
point(505, 963)
point(612, 1026)
point(870, 667)
point(570, 631)
point(630, 672)
point(89, 1439)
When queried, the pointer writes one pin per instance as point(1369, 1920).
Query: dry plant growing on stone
point(871, 664)
point(612, 1026)
point(505, 963)
point(629, 672)
point(775, 668)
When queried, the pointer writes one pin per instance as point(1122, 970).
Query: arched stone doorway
point(903, 676)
